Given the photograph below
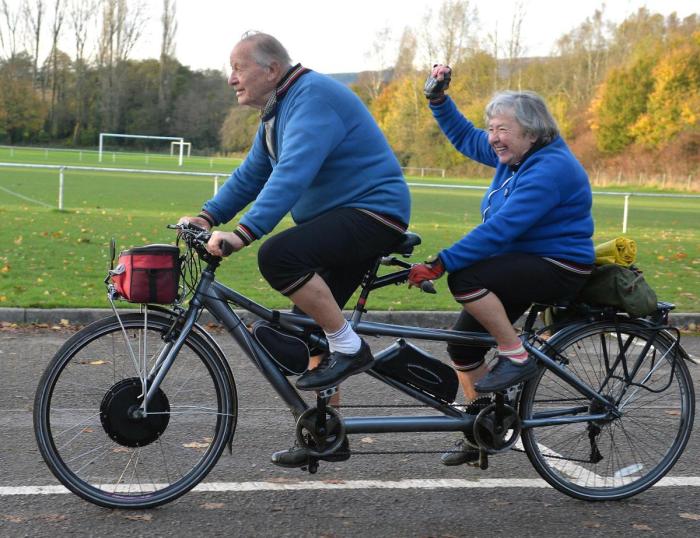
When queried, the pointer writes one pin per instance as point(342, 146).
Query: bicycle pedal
point(327, 393)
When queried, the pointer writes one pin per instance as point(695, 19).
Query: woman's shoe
point(505, 374)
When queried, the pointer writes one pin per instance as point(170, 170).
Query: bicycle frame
point(215, 297)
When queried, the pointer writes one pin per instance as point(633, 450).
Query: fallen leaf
point(195, 444)
point(120, 449)
point(139, 517)
point(212, 506)
point(367, 440)
point(591, 525)
point(689, 515)
point(53, 517)
point(641, 527)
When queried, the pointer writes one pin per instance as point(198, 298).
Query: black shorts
point(518, 280)
point(339, 246)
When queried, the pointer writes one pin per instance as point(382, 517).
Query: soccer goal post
point(188, 145)
point(121, 135)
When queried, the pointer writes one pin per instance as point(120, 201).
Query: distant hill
point(345, 78)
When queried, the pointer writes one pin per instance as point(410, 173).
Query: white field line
point(330, 485)
point(27, 198)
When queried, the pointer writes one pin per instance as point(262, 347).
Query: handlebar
point(197, 237)
point(428, 286)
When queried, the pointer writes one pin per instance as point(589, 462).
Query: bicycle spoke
point(634, 449)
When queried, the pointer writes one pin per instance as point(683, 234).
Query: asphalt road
point(255, 504)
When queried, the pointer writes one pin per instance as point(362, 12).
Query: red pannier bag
point(148, 274)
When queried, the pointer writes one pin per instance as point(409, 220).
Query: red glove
point(425, 271)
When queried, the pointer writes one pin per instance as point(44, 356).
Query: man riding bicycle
point(319, 154)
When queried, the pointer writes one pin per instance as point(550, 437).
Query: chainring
point(494, 434)
point(320, 434)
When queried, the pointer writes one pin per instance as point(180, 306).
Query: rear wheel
point(87, 423)
point(613, 458)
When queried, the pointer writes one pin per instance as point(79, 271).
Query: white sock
point(344, 340)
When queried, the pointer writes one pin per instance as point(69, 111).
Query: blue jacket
point(330, 154)
point(543, 209)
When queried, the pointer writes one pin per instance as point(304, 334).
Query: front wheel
point(618, 457)
point(86, 417)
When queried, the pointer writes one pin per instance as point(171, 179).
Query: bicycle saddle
point(405, 246)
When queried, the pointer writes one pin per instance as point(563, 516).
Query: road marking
point(332, 484)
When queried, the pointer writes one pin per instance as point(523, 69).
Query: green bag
point(614, 285)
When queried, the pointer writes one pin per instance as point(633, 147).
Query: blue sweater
point(543, 209)
point(330, 154)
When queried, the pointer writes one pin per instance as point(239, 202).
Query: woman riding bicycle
point(534, 244)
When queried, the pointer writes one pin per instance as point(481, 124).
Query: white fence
point(62, 169)
point(422, 172)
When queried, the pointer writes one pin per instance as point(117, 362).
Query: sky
point(335, 36)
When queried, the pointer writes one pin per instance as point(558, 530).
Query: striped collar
point(282, 88)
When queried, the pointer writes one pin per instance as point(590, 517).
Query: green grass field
point(54, 258)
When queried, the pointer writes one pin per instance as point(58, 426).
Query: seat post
point(365, 288)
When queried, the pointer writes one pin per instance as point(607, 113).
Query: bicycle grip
point(428, 286)
point(226, 248)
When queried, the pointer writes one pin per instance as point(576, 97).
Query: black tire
point(105, 457)
point(635, 450)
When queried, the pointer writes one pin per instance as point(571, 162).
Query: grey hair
point(530, 112)
point(266, 49)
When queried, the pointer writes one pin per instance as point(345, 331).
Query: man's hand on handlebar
point(197, 221)
point(233, 243)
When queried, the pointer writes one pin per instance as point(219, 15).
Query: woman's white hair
point(530, 112)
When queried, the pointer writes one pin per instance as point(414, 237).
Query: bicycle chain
point(408, 452)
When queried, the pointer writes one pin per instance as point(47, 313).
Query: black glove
point(434, 89)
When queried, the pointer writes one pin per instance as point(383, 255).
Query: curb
point(426, 318)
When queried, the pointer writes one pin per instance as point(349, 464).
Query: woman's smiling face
point(508, 138)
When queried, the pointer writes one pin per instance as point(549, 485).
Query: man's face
point(508, 138)
point(253, 83)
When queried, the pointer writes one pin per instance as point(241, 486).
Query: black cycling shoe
point(465, 451)
point(299, 456)
point(505, 374)
point(462, 453)
point(335, 368)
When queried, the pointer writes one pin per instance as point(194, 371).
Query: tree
point(58, 15)
point(406, 56)
point(121, 29)
point(447, 39)
point(621, 100)
point(33, 14)
point(81, 16)
point(674, 103)
point(239, 128)
point(21, 109)
point(167, 65)
point(11, 27)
